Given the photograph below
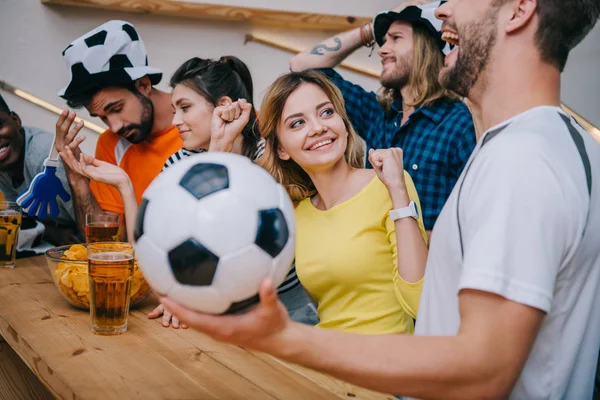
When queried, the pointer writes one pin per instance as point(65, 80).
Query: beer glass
point(10, 223)
point(102, 227)
point(110, 271)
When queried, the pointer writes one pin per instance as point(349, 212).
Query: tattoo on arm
point(322, 47)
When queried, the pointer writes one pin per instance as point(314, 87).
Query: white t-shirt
point(523, 205)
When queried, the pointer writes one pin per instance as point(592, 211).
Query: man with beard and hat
point(510, 301)
point(412, 110)
point(111, 78)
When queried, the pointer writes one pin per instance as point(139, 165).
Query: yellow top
point(346, 258)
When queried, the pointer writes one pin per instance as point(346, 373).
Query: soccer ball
point(211, 228)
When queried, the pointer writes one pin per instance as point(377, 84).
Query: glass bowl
point(70, 275)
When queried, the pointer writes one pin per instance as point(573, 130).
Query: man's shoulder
point(36, 133)
point(108, 138)
point(456, 109)
point(38, 142)
point(454, 118)
point(532, 142)
point(457, 106)
point(106, 146)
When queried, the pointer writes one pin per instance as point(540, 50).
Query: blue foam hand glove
point(41, 197)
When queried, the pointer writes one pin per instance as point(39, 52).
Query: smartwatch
point(408, 211)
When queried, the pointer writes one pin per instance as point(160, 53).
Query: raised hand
point(66, 131)
point(227, 124)
point(389, 167)
point(257, 329)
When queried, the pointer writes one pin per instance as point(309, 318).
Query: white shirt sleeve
point(516, 223)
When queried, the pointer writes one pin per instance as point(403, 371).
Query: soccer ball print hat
point(110, 54)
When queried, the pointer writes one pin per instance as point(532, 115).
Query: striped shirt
point(184, 153)
point(291, 280)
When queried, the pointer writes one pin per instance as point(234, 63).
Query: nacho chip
point(77, 252)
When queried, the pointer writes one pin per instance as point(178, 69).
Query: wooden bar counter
point(147, 362)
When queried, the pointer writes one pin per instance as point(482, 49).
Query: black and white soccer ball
point(211, 228)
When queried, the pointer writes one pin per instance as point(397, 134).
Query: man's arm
point(330, 52)
point(84, 201)
point(483, 361)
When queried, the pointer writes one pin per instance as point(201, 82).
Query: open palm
point(102, 171)
point(95, 169)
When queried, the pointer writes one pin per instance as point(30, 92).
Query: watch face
point(413, 206)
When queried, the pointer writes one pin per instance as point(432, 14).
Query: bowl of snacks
point(69, 269)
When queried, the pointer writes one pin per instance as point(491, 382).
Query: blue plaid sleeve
point(464, 139)
point(362, 106)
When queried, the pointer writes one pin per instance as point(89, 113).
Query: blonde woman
point(363, 269)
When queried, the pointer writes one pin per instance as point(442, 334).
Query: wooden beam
point(595, 132)
point(190, 9)
point(48, 106)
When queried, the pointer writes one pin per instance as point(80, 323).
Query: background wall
point(32, 37)
point(581, 81)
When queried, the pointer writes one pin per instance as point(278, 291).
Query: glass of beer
point(102, 227)
point(10, 223)
point(110, 271)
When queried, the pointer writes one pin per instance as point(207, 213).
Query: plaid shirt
point(437, 140)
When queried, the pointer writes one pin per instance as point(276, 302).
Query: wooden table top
point(148, 361)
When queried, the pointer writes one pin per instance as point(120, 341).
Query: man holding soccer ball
point(512, 284)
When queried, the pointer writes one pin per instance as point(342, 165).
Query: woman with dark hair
point(210, 102)
point(210, 108)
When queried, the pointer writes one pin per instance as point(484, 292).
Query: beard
point(142, 130)
point(398, 78)
point(476, 43)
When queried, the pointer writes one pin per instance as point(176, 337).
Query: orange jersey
point(142, 162)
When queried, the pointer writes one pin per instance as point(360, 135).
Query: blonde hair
point(287, 172)
point(427, 61)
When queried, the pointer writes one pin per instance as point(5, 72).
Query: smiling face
point(192, 116)
point(126, 113)
point(471, 25)
point(396, 55)
point(11, 140)
point(310, 131)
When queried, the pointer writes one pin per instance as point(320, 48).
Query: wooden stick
point(583, 122)
point(44, 104)
point(214, 11)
